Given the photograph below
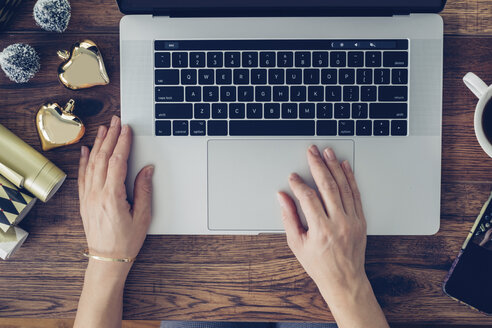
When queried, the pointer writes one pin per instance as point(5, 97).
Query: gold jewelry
point(107, 259)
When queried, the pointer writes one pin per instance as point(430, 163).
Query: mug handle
point(475, 84)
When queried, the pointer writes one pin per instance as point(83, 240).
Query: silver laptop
point(224, 97)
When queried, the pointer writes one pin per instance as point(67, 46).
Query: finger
point(118, 163)
point(105, 152)
point(101, 134)
point(292, 224)
point(310, 203)
point(343, 186)
point(84, 159)
point(327, 186)
point(142, 198)
point(355, 189)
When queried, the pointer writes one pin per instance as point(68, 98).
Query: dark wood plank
point(461, 17)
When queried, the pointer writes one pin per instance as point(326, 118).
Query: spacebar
point(271, 128)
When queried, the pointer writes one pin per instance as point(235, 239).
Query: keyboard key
point(281, 93)
point(363, 127)
point(263, 94)
point(285, 59)
point(338, 59)
point(173, 111)
point(381, 128)
point(193, 94)
point(188, 76)
point(180, 128)
point(169, 94)
point(306, 110)
point(197, 59)
point(271, 110)
point(258, 76)
point(162, 128)
point(245, 93)
point(359, 110)
point(180, 59)
point(398, 128)
point(368, 93)
point(166, 77)
point(347, 76)
point(382, 76)
point(223, 76)
point(395, 59)
point(320, 59)
point(227, 94)
point(232, 59)
point(326, 128)
point(202, 111)
point(298, 93)
point(254, 111)
point(364, 76)
point(162, 60)
point(355, 59)
point(333, 93)
point(219, 110)
point(342, 110)
point(345, 128)
point(351, 93)
point(303, 59)
point(276, 76)
point(241, 76)
point(197, 128)
point(211, 94)
point(329, 76)
point(236, 110)
point(324, 111)
point(388, 110)
point(393, 93)
point(267, 59)
point(217, 128)
point(289, 110)
point(250, 59)
point(311, 76)
point(399, 76)
point(315, 93)
point(373, 59)
point(206, 76)
point(215, 59)
point(272, 128)
point(294, 76)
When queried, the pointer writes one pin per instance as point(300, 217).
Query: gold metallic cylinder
point(26, 168)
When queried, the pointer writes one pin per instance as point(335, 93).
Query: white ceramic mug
point(484, 94)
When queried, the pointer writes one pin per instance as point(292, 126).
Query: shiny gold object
point(30, 169)
point(58, 126)
point(107, 259)
point(83, 66)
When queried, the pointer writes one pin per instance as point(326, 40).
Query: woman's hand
point(112, 226)
point(332, 251)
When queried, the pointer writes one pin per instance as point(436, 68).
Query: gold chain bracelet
point(107, 259)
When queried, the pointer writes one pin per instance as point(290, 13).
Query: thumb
point(293, 227)
point(142, 197)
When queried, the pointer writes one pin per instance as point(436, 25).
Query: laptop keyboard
point(281, 87)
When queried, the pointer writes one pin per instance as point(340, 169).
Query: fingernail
point(330, 154)
point(280, 200)
point(314, 150)
point(347, 166)
point(294, 177)
point(124, 129)
point(150, 172)
point(100, 132)
point(114, 120)
point(83, 151)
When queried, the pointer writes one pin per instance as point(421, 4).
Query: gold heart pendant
point(58, 126)
point(83, 66)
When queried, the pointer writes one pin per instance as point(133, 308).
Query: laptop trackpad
point(245, 175)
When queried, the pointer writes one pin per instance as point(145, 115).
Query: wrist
point(107, 272)
point(347, 292)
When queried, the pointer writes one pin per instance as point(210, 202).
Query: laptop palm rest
point(245, 175)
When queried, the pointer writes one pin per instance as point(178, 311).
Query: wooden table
point(251, 278)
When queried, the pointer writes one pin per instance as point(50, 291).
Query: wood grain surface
point(247, 278)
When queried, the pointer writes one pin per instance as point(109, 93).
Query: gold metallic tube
point(26, 168)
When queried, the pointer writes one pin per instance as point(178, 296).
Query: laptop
point(224, 98)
